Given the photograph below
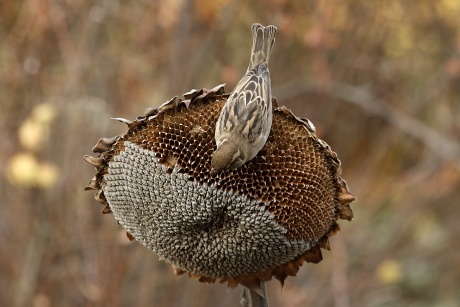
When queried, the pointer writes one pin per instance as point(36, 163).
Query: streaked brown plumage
point(246, 118)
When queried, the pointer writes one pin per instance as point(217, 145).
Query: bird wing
point(247, 107)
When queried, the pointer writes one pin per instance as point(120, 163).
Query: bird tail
point(263, 39)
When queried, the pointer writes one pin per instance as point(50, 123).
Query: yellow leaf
point(31, 134)
point(35, 130)
point(44, 113)
point(22, 169)
point(451, 5)
point(400, 41)
point(47, 175)
point(389, 271)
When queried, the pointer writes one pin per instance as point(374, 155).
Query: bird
point(245, 121)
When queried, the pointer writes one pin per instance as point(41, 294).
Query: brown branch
point(443, 146)
point(67, 47)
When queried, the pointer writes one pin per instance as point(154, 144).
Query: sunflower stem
point(250, 298)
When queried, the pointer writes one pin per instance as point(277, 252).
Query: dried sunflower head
point(241, 226)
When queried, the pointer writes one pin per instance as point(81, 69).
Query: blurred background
point(379, 79)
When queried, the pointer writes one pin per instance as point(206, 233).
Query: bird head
point(227, 156)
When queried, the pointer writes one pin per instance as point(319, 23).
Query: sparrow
point(245, 121)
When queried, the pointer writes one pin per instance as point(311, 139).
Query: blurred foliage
point(380, 80)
